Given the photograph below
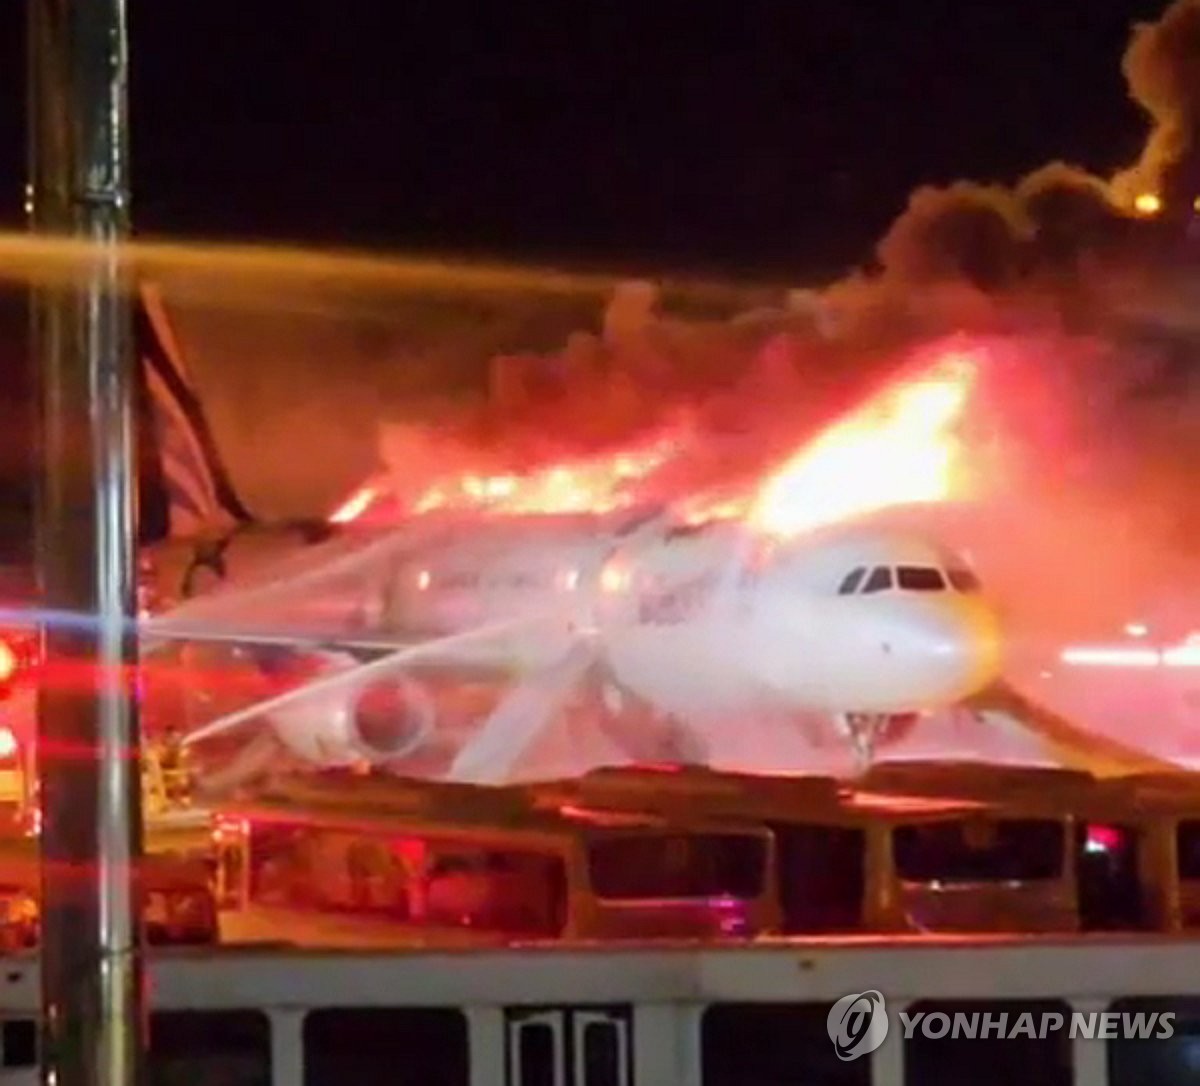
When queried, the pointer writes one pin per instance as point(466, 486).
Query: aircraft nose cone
point(960, 641)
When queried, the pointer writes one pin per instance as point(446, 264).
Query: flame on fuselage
point(598, 484)
point(900, 446)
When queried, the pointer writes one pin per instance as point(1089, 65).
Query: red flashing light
point(8, 743)
point(9, 662)
point(1103, 838)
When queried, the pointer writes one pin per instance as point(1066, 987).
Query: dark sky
point(757, 135)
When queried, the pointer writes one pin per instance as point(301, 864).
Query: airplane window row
point(907, 578)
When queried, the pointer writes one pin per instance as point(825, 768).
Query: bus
point(911, 848)
point(654, 1015)
point(1040, 850)
point(483, 862)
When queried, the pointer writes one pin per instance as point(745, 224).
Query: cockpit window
point(920, 579)
point(879, 581)
point(851, 582)
point(963, 580)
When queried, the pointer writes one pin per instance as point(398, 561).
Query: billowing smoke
point(966, 232)
point(1094, 418)
point(1162, 67)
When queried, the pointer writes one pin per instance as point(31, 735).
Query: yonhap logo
point(857, 1024)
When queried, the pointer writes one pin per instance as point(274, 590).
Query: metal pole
point(88, 750)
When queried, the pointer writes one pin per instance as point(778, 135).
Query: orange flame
point(898, 447)
point(597, 484)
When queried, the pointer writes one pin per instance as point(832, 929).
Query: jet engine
point(377, 720)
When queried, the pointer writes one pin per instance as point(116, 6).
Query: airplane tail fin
point(184, 490)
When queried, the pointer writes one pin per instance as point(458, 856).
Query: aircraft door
point(579, 1046)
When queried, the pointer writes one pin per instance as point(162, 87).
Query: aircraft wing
point(490, 756)
point(1075, 746)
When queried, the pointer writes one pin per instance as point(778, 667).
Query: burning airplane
point(696, 614)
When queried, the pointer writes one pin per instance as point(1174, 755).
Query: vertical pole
point(87, 720)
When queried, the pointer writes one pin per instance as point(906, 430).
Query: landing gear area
point(865, 731)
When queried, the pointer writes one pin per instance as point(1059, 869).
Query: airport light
point(1185, 655)
point(1182, 656)
point(1098, 656)
point(1147, 203)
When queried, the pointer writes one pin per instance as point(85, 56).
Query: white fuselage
point(713, 620)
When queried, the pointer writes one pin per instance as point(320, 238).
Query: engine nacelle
point(378, 720)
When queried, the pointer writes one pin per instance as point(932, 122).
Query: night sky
point(774, 136)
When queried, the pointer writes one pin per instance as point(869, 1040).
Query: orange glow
point(898, 447)
point(706, 507)
point(229, 830)
point(354, 506)
point(614, 579)
point(596, 484)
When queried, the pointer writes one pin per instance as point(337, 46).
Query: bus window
point(538, 1054)
point(1148, 1056)
point(1109, 889)
point(20, 918)
point(379, 1046)
point(677, 865)
point(503, 890)
point(326, 869)
point(1188, 841)
point(957, 1055)
point(419, 878)
point(278, 864)
point(18, 1044)
point(176, 917)
point(821, 876)
point(969, 850)
point(763, 1044)
point(194, 1048)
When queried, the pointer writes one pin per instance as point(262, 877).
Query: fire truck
point(177, 875)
